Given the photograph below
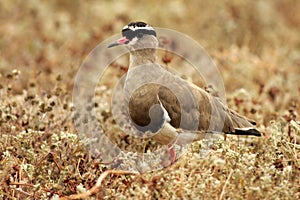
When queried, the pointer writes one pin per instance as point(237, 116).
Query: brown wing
point(144, 108)
point(212, 114)
point(188, 106)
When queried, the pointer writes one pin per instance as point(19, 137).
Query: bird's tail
point(245, 131)
point(241, 125)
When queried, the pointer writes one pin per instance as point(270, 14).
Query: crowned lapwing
point(173, 109)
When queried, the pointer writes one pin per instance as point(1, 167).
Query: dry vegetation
point(255, 44)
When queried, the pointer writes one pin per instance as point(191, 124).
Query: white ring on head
point(133, 28)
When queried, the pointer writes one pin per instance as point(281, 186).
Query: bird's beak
point(120, 41)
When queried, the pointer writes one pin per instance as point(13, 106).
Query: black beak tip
point(109, 46)
point(112, 45)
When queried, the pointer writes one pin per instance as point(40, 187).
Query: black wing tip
point(250, 131)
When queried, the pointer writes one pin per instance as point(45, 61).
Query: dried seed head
point(32, 84)
point(59, 78)
point(9, 76)
point(52, 103)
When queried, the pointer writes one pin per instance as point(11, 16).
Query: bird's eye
point(139, 35)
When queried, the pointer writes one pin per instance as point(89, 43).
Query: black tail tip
point(250, 131)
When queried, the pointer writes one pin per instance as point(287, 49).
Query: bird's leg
point(172, 153)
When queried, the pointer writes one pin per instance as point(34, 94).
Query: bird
point(172, 109)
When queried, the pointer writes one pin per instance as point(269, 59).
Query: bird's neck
point(141, 57)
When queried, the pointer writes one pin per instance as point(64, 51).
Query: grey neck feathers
point(143, 51)
point(142, 56)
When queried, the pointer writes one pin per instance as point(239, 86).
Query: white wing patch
point(244, 128)
point(166, 116)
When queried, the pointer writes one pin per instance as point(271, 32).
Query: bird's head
point(137, 35)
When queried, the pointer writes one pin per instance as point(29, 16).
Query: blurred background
point(255, 44)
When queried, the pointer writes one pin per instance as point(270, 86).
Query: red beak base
point(120, 41)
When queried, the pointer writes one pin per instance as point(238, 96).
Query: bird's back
point(188, 106)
